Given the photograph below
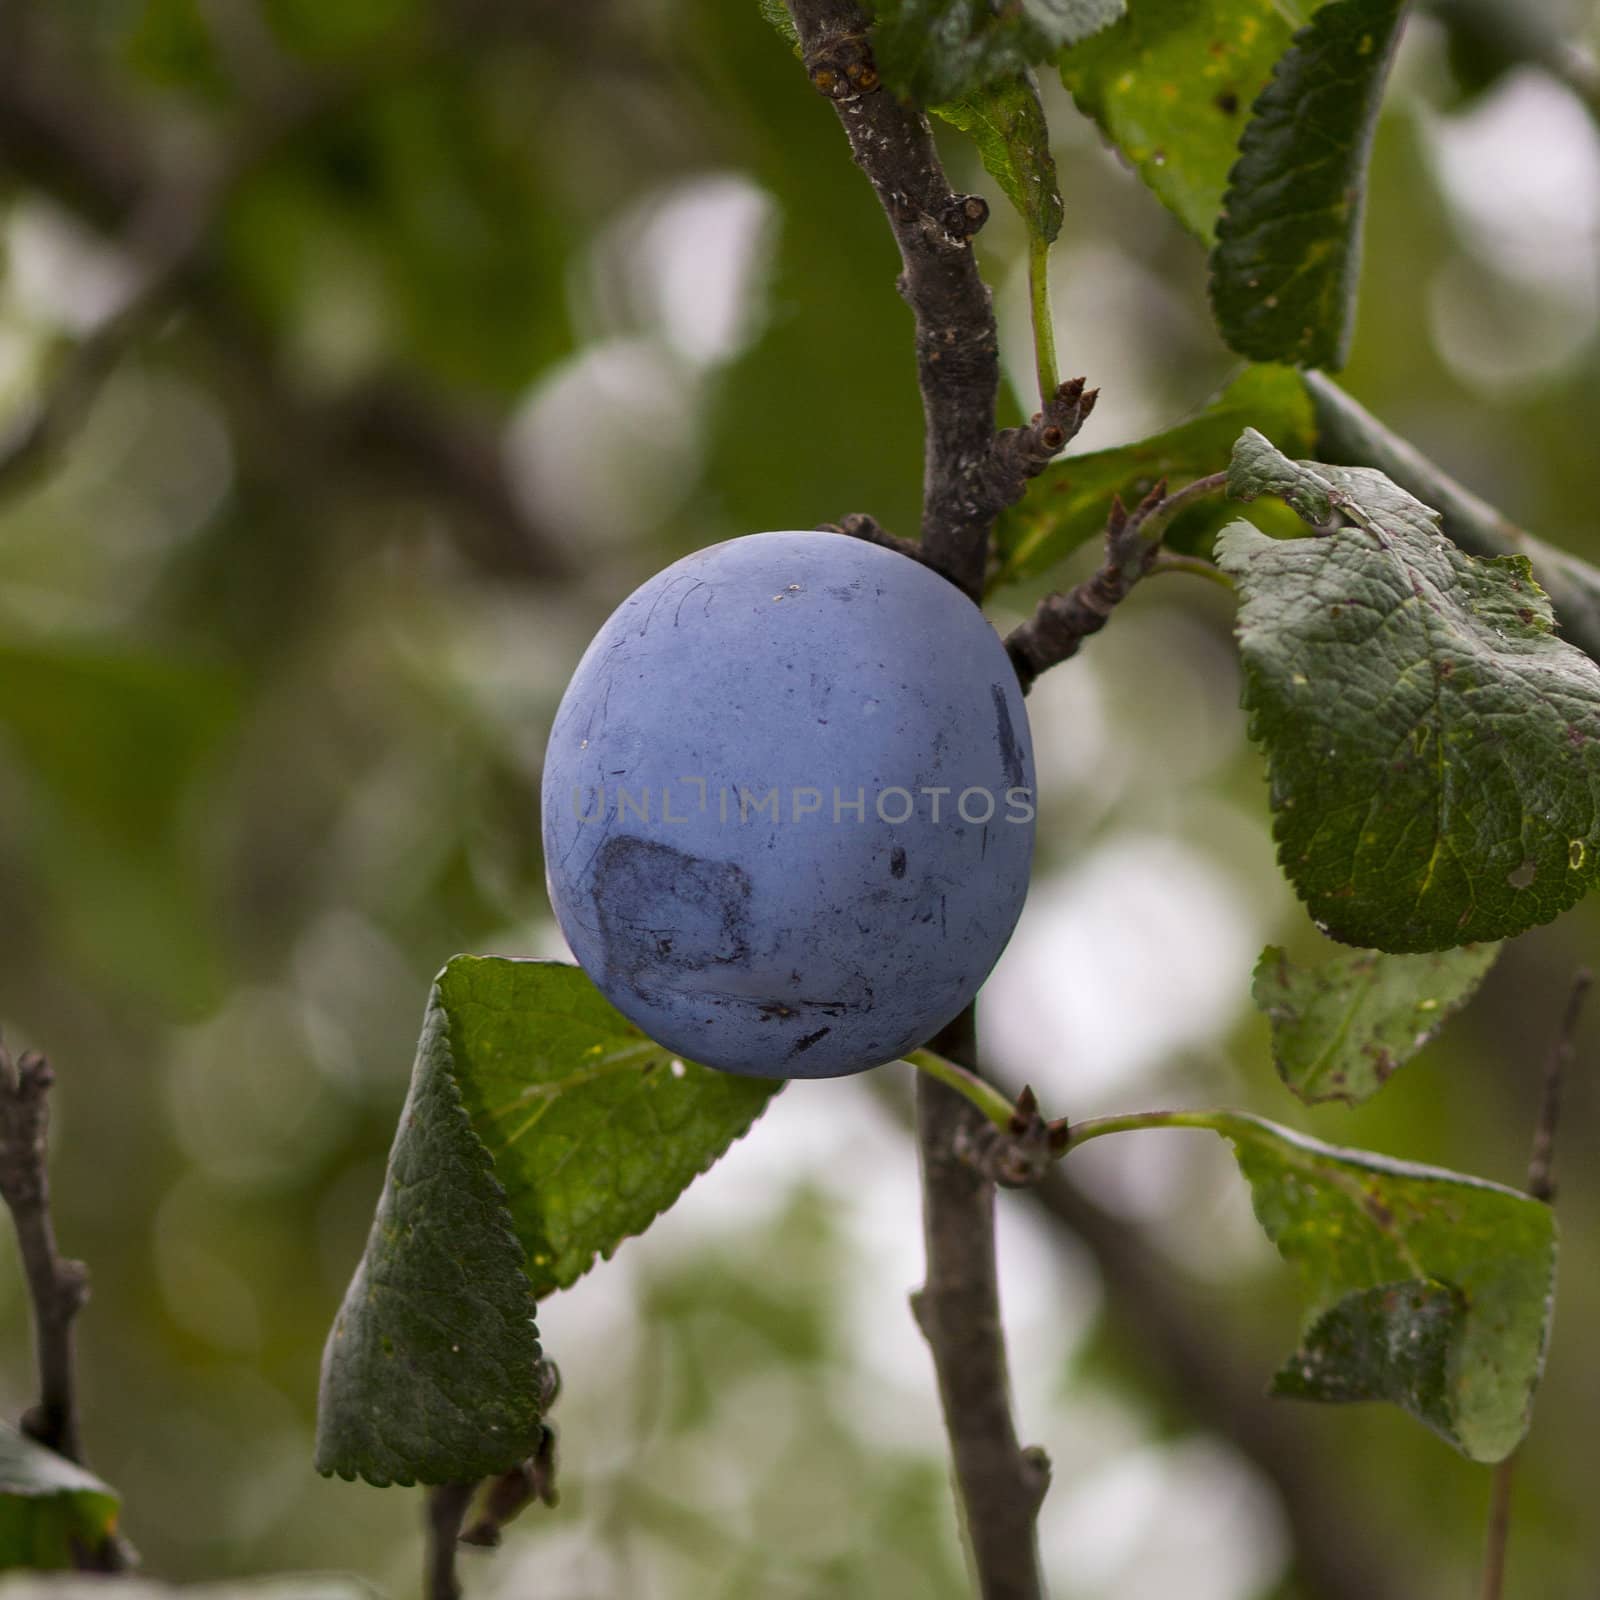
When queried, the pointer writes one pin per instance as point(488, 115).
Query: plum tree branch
point(1541, 1185)
point(969, 474)
point(57, 1287)
point(999, 1483)
point(1519, 33)
point(1060, 624)
point(1347, 432)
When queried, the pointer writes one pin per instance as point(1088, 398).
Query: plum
point(788, 805)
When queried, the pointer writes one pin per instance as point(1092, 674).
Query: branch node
point(841, 68)
point(1014, 1157)
point(858, 525)
point(1060, 624)
point(963, 217)
point(1036, 1472)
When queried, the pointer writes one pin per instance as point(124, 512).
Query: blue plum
point(788, 805)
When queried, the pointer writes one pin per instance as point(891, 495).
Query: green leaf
point(1171, 86)
point(1006, 122)
point(1348, 432)
point(1341, 1028)
point(431, 1368)
point(1288, 250)
point(541, 1129)
point(51, 1509)
point(1425, 1288)
point(934, 51)
point(1069, 502)
point(1433, 748)
point(594, 1129)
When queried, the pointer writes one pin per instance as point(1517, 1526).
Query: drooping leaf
point(431, 1368)
point(1069, 502)
point(1006, 122)
point(1341, 1028)
point(1288, 250)
point(51, 1509)
point(1171, 86)
point(937, 51)
point(541, 1129)
point(594, 1129)
point(1424, 1288)
point(1433, 748)
point(1348, 432)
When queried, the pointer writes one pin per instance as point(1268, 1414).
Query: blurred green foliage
point(523, 302)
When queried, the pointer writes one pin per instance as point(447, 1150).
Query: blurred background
point(390, 343)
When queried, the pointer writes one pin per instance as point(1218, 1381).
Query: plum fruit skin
point(818, 943)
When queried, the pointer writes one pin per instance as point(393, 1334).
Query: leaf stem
point(1541, 1185)
point(1128, 1122)
point(984, 1096)
point(1044, 322)
point(446, 1505)
point(1198, 566)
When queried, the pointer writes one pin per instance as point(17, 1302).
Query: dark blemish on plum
point(897, 862)
point(806, 1040)
point(1010, 750)
point(663, 911)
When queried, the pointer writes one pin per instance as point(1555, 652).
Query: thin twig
point(1061, 622)
point(998, 1483)
point(1056, 630)
point(1541, 1185)
point(446, 1505)
point(1181, 499)
point(58, 1287)
point(164, 241)
point(859, 525)
point(1347, 432)
point(1541, 1163)
point(1520, 33)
